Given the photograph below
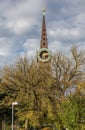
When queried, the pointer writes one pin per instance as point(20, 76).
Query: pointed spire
point(44, 42)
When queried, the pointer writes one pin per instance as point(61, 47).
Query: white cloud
point(20, 26)
point(31, 46)
point(65, 34)
point(5, 46)
point(80, 18)
point(22, 16)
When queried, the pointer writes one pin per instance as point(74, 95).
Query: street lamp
point(13, 104)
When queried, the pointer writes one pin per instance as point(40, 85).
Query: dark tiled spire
point(44, 42)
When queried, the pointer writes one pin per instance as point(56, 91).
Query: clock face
point(44, 55)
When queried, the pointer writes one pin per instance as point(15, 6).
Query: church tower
point(43, 55)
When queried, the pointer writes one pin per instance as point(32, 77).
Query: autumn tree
point(26, 83)
point(45, 97)
point(68, 72)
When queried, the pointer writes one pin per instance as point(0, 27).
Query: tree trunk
point(26, 124)
point(0, 125)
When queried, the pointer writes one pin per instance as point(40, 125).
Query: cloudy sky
point(20, 26)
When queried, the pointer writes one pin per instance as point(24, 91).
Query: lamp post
point(13, 104)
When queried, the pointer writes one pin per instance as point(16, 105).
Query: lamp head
point(15, 103)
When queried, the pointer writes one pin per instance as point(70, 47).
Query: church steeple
point(44, 42)
point(43, 55)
